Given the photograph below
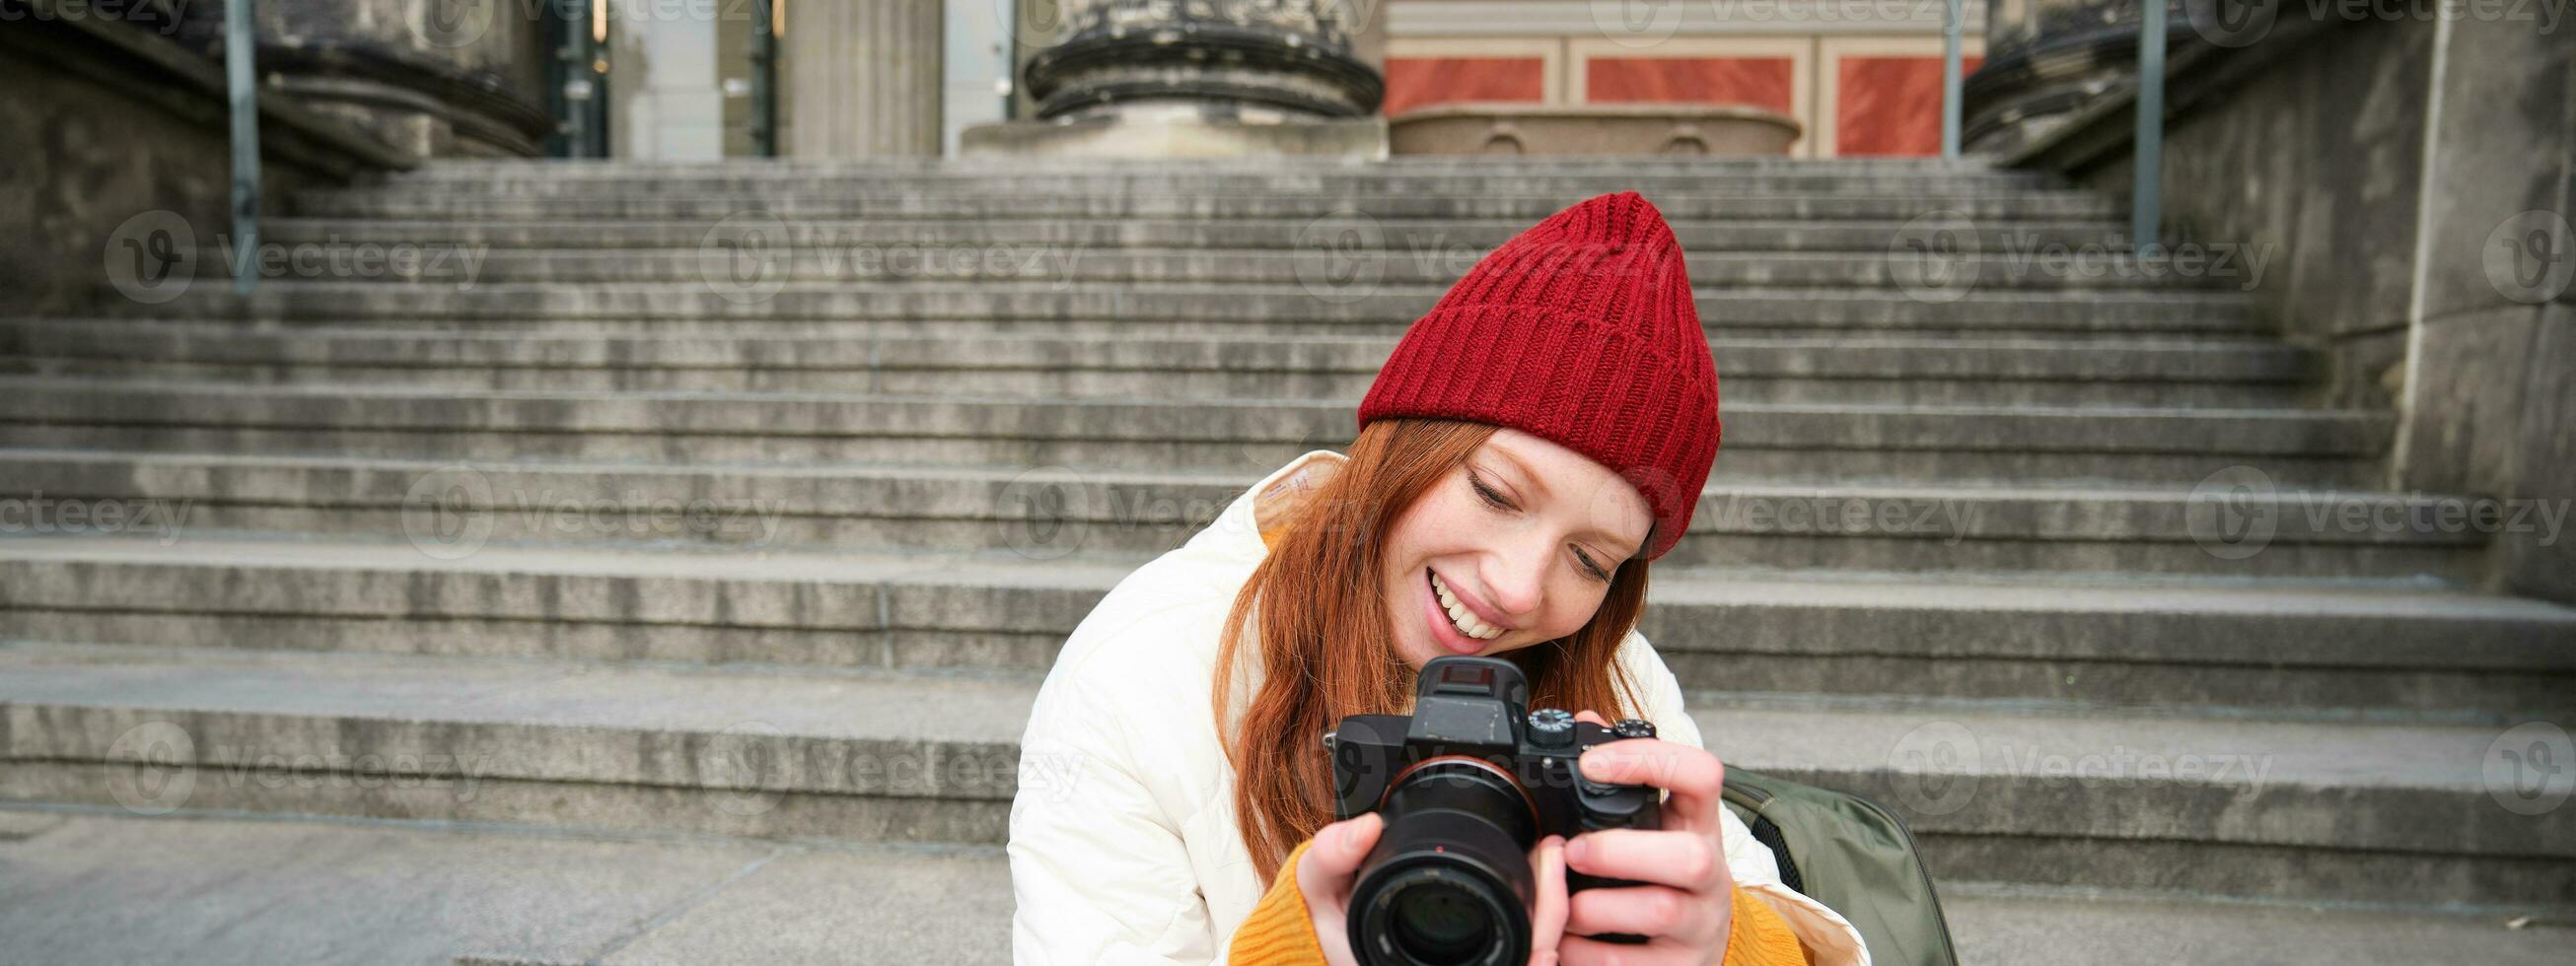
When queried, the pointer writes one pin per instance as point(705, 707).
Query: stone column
point(1252, 60)
point(866, 77)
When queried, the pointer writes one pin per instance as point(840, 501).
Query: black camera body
point(1467, 784)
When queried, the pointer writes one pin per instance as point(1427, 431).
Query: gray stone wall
point(2492, 404)
point(2412, 181)
point(2317, 159)
point(109, 121)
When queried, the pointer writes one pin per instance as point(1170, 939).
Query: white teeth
point(1462, 617)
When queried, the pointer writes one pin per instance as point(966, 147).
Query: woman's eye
point(1595, 569)
point(1496, 500)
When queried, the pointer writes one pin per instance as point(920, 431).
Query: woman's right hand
point(1326, 871)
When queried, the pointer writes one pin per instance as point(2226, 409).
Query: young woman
point(1533, 442)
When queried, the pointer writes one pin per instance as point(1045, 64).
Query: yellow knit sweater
point(1280, 932)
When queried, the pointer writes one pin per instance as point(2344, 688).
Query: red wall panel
point(1415, 81)
point(1889, 105)
point(1768, 82)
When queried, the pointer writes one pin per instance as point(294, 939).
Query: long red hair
point(1332, 654)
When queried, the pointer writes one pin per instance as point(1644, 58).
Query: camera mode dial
point(1551, 728)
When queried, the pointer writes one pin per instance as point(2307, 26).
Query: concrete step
point(2300, 811)
point(88, 887)
point(1055, 512)
point(1888, 371)
point(100, 886)
point(2008, 925)
point(1041, 179)
point(1388, 308)
point(1879, 202)
point(827, 260)
point(487, 170)
point(2108, 328)
point(2330, 651)
point(1412, 237)
point(1764, 440)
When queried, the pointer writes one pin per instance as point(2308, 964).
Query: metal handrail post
point(241, 38)
point(2148, 165)
point(1950, 81)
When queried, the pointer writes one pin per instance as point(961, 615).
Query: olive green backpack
point(1855, 857)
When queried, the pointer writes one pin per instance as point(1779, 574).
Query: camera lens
point(1440, 923)
point(1449, 882)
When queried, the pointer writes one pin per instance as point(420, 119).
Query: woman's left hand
point(1687, 906)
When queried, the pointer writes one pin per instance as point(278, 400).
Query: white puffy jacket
point(1123, 845)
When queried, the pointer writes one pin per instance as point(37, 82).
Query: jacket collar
point(1237, 534)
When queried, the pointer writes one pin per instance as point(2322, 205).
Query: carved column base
point(1179, 131)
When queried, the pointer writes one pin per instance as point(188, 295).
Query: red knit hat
point(1580, 330)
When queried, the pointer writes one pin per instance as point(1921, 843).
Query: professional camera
point(1468, 784)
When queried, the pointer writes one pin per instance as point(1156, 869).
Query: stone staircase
point(662, 547)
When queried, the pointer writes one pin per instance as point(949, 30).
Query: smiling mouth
point(1444, 629)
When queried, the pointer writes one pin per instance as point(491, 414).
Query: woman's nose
point(1516, 583)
